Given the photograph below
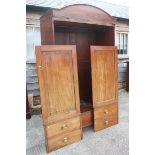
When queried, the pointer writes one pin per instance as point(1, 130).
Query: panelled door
point(58, 81)
point(104, 75)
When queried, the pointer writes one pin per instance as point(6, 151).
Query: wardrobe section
point(78, 74)
point(58, 81)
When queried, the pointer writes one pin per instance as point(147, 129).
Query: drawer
point(105, 122)
point(87, 118)
point(63, 126)
point(105, 111)
point(64, 139)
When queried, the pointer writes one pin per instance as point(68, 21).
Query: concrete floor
point(111, 141)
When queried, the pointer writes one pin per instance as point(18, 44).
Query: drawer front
point(64, 139)
point(63, 126)
point(105, 111)
point(87, 118)
point(106, 121)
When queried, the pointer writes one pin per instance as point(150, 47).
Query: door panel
point(58, 72)
point(104, 75)
point(58, 80)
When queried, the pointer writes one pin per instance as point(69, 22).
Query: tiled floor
point(110, 141)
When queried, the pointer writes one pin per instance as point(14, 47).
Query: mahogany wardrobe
point(78, 73)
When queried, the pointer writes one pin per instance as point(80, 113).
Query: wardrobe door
point(104, 68)
point(58, 81)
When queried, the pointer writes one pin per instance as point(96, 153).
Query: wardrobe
point(78, 73)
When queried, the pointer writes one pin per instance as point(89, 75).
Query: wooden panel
point(105, 111)
point(106, 36)
point(105, 122)
point(83, 40)
point(58, 80)
point(109, 36)
point(104, 75)
point(62, 38)
point(58, 72)
point(104, 83)
point(47, 29)
point(63, 126)
point(83, 14)
point(64, 139)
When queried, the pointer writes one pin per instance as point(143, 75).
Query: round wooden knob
point(106, 111)
point(66, 139)
point(106, 122)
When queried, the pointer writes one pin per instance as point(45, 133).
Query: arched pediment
point(80, 13)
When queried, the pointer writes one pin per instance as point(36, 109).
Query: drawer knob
point(106, 111)
point(106, 122)
point(65, 126)
point(66, 139)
